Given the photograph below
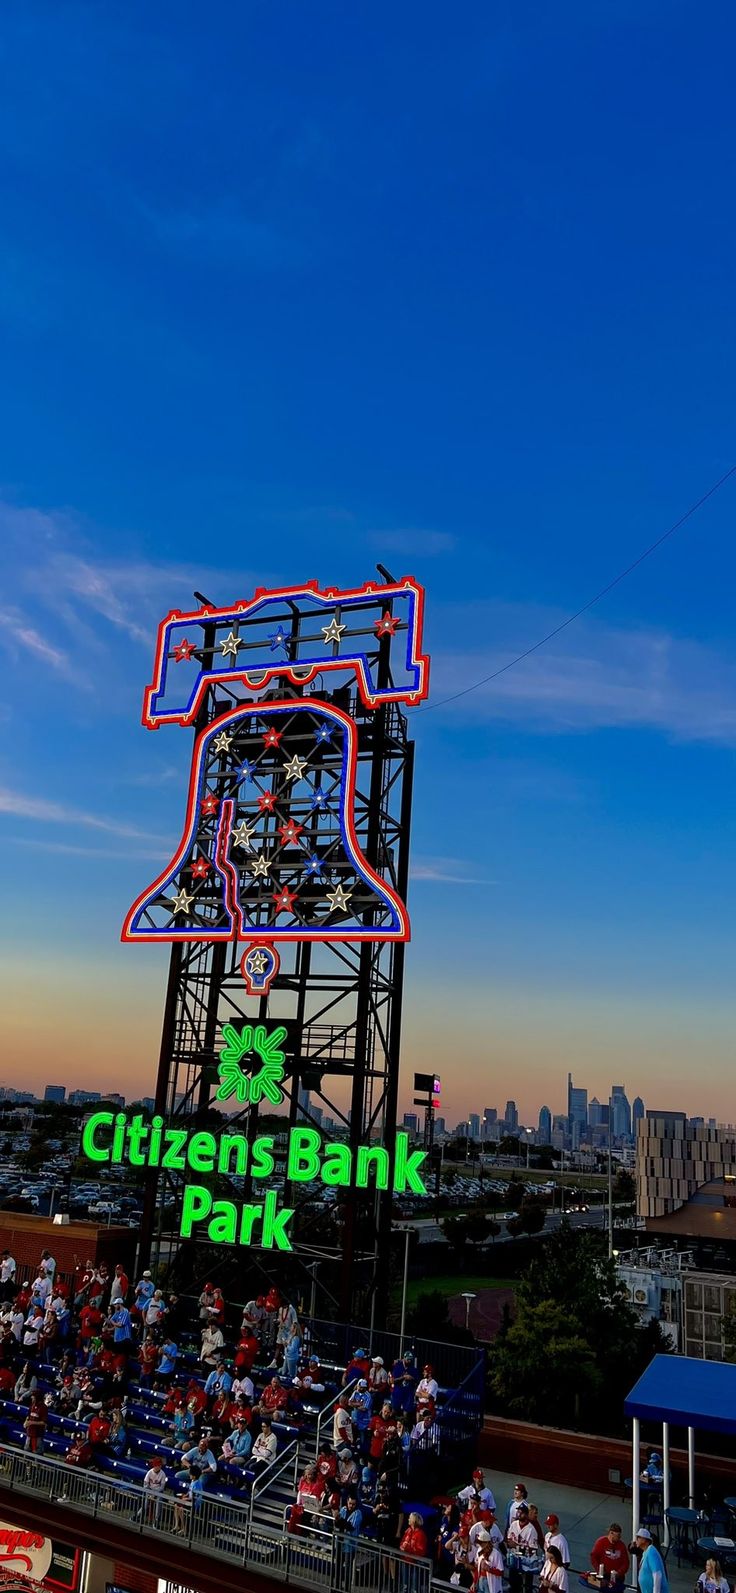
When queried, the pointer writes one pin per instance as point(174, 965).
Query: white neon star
point(339, 899)
point(182, 902)
point(223, 742)
point(260, 868)
point(294, 767)
point(333, 631)
point(230, 645)
point(241, 835)
point(257, 962)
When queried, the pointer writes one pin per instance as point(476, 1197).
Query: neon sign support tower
point(285, 900)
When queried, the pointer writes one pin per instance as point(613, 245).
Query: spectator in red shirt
point(379, 1427)
point(246, 1353)
point(148, 1356)
point(98, 1431)
point(273, 1399)
point(610, 1552)
point(414, 1540)
point(80, 1453)
point(358, 1366)
point(35, 1424)
point(326, 1464)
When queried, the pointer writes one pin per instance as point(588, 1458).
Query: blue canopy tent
point(680, 1391)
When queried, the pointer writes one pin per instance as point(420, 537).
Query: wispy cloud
point(147, 854)
point(17, 630)
point(446, 871)
point(595, 678)
point(39, 811)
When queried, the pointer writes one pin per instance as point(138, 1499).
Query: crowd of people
point(91, 1348)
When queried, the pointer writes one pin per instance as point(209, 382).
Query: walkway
point(583, 1517)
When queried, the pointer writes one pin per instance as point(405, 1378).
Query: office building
point(686, 1177)
point(83, 1097)
point(439, 1126)
point(621, 1118)
point(545, 1126)
point(55, 1093)
point(637, 1113)
point(490, 1118)
point(473, 1125)
point(577, 1112)
point(411, 1122)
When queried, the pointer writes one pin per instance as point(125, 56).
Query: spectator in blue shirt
point(167, 1361)
point(404, 1384)
point(361, 1407)
point(200, 1457)
point(191, 1500)
point(350, 1517)
point(144, 1290)
point(123, 1327)
point(218, 1382)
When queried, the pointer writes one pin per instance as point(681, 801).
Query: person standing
point(652, 1574)
point(609, 1558)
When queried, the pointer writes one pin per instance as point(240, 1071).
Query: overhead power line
point(617, 579)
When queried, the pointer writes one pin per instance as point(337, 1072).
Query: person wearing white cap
point(489, 1566)
point(652, 1574)
point(378, 1381)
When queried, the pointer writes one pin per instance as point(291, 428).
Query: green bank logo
point(305, 1156)
point(266, 1080)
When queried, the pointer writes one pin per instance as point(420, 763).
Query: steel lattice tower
point(340, 999)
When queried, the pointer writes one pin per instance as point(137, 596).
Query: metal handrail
point(278, 1466)
point(330, 1407)
point(216, 1526)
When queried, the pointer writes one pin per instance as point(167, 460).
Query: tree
point(624, 1187)
point(729, 1332)
point(531, 1215)
point(573, 1274)
point(455, 1230)
point(543, 1367)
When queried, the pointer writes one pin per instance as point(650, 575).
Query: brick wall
point(26, 1235)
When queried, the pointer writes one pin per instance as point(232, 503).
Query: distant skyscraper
point(621, 1110)
point(56, 1093)
point(474, 1125)
point(594, 1113)
point(439, 1125)
point(490, 1116)
point(545, 1126)
point(637, 1112)
point(83, 1097)
point(577, 1110)
point(411, 1122)
point(511, 1118)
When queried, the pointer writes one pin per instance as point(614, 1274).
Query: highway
point(430, 1232)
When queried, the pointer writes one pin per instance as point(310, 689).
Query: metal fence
point(219, 1528)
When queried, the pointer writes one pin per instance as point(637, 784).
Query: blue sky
point(285, 290)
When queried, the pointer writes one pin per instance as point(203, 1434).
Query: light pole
point(407, 1235)
point(610, 1175)
point(468, 1298)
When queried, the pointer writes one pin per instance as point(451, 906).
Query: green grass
point(452, 1284)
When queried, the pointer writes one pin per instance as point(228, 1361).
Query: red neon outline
point(237, 932)
point(266, 979)
point(295, 673)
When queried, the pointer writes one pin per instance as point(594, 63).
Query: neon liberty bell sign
point(270, 853)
